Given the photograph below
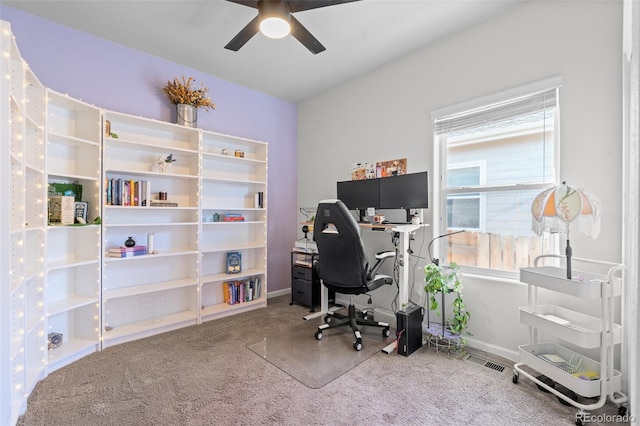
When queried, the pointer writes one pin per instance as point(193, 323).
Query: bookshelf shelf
point(71, 350)
point(232, 247)
point(237, 181)
point(147, 288)
point(71, 141)
point(232, 277)
point(151, 173)
point(150, 146)
point(60, 306)
point(220, 310)
point(148, 327)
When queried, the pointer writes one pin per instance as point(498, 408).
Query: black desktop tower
point(409, 330)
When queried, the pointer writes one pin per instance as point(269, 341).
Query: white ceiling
point(358, 36)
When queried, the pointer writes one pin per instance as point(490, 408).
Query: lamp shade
point(275, 27)
point(275, 17)
point(566, 209)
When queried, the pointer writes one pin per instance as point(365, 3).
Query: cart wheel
point(622, 410)
point(385, 332)
point(328, 319)
point(515, 378)
point(547, 381)
point(357, 345)
point(319, 335)
point(566, 392)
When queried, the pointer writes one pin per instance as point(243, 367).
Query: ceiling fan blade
point(305, 37)
point(244, 35)
point(250, 3)
point(300, 5)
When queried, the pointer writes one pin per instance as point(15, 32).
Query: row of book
point(242, 291)
point(127, 192)
point(127, 251)
point(232, 217)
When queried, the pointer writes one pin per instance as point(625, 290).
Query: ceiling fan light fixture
point(275, 27)
point(275, 20)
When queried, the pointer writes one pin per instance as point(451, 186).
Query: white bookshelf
point(234, 170)
point(23, 231)
point(72, 152)
point(154, 292)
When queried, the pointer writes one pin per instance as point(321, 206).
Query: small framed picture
point(239, 153)
point(81, 209)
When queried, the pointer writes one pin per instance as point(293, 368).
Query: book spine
point(134, 192)
point(147, 194)
point(225, 292)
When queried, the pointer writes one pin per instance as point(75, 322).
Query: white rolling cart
point(595, 380)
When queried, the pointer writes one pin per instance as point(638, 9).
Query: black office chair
point(343, 266)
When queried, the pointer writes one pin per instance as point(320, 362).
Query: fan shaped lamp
point(564, 209)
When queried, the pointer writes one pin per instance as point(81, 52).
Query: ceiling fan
point(275, 20)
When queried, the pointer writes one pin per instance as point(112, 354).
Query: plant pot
point(187, 115)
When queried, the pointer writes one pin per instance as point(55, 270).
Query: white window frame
point(440, 162)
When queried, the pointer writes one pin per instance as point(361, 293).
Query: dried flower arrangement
point(182, 92)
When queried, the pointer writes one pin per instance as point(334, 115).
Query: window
point(495, 155)
point(464, 211)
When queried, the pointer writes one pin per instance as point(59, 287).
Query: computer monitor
point(359, 194)
point(410, 191)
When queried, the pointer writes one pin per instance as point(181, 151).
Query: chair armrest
point(381, 257)
point(385, 254)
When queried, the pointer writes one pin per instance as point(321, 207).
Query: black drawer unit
point(302, 293)
point(305, 284)
point(302, 272)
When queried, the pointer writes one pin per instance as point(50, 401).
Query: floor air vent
point(485, 363)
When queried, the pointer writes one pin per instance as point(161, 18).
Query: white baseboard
point(277, 293)
point(388, 316)
point(493, 349)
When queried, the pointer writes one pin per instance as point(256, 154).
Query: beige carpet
point(206, 375)
point(317, 362)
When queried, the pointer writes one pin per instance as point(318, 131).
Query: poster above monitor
point(361, 171)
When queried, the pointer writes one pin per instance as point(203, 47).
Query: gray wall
point(385, 115)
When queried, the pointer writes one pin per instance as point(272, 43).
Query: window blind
point(508, 109)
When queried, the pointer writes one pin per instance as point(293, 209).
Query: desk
point(403, 248)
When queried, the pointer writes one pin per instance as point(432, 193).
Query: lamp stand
point(568, 251)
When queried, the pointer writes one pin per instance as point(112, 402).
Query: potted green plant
point(444, 280)
point(188, 99)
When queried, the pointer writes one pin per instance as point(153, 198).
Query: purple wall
point(115, 77)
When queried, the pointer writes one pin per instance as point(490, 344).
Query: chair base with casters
point(335, 319)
